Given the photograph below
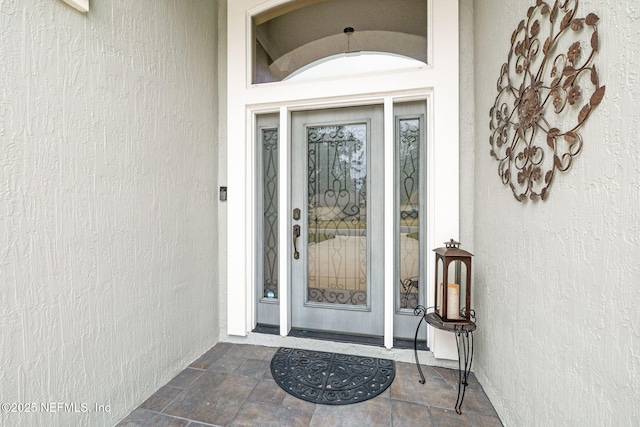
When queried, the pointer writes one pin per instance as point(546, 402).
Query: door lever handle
point(296, 234)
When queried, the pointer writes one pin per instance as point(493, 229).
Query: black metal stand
point(464, 344)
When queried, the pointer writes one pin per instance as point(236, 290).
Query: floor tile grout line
point(280, 405)
point(226, 352)
point(244, 402)
point(173, 400)
point(220, 357)
point(442, 407)
point(430, 415)
point(390, 409)
point(182, 390)
point(189, 420)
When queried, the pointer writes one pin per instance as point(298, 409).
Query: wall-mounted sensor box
point(223, 194)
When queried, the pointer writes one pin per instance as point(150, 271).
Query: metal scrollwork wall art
point(546, 90)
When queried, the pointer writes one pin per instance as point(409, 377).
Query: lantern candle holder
point(452, 311)
point(452, 298)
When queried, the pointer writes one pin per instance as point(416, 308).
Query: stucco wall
point(222, 218)
point(467, 109)
point(108, 189)
point(557, 282)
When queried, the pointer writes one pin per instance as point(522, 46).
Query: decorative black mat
point(331, 378)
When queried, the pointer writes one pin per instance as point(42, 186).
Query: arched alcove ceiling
point(300, 32)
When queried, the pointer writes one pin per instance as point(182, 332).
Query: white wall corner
point(81, 5)
point(444, 345)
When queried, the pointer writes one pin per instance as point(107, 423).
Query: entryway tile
point(211, 356)
point(253, 368)
point(409, 414)
point(214, 398)
point(259, 414)
point(231, 385)
point(267, 391)
point(161, 398)
point(374, 412)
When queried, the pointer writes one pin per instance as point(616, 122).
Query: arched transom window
point(297, 35)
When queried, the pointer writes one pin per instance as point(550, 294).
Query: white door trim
point(285, 222)
point(389, 220)
point(439, 80)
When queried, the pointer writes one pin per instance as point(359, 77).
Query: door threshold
point(408, 344)
point(267, 329)
point(344, 338)
point(336, 337)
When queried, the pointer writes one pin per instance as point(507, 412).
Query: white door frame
point(436, 82)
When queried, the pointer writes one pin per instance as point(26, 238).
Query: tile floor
point(231, 385)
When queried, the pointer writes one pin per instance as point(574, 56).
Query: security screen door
point(337, 220)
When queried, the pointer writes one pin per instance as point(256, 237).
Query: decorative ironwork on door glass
point(337, 214)
point(270, 212)
point(409, 189)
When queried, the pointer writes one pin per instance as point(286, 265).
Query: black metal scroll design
point(336, 296)
point(270, 212)
point(409, 297)
point(343, 171)
point(337, 201)
point(409, 167)
point(409, 170)
point(546, 90)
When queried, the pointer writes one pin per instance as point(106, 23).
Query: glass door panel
point(409, 211)
point(337, 214)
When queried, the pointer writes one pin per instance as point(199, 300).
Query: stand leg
point(464, 342)
point(415, 351)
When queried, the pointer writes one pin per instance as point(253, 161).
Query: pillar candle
point(453, 301)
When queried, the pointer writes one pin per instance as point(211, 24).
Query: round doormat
point(331, 378)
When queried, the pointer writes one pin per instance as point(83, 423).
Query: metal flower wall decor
point(546, 90)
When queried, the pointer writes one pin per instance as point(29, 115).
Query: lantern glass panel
point(463, 289)
point(439, 281)
point(456, 289)
point(453, 290)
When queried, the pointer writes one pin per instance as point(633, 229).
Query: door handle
point(296, 234)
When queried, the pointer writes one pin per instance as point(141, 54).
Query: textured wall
point(557, 282)
point(467, 111)
point(222, 218)
point(107, 202)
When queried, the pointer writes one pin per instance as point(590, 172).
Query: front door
point(337, 201)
